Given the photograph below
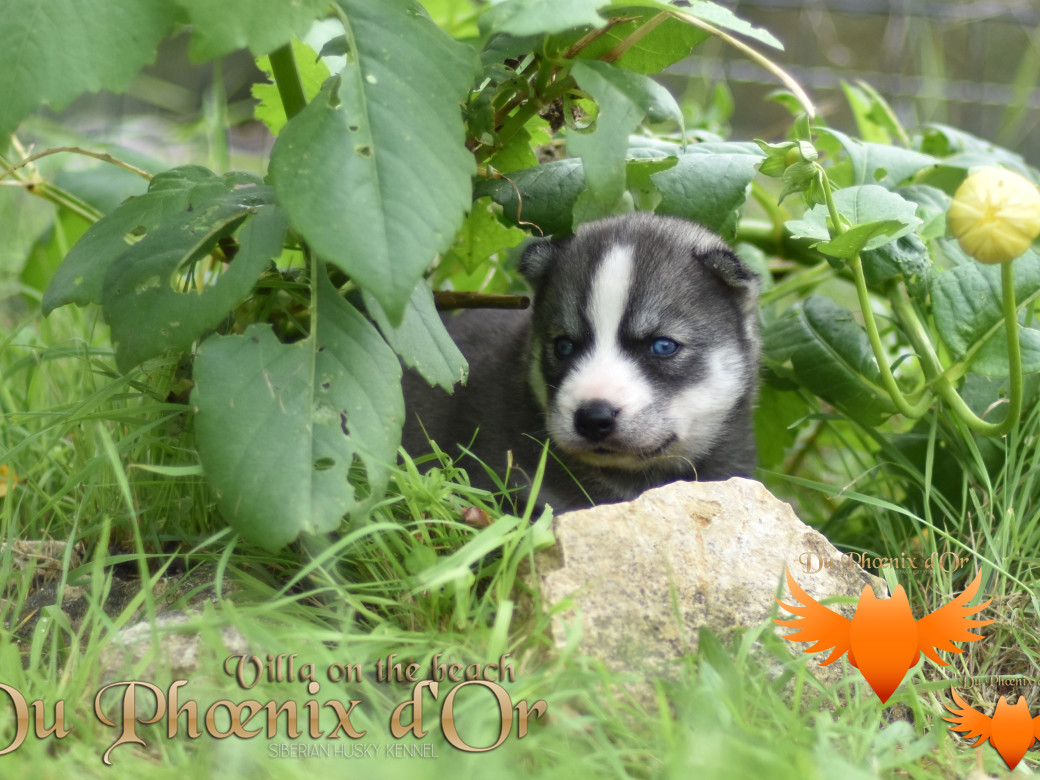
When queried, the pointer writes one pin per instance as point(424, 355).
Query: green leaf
point(880, 215)
point(374, 172)
point(963, 150)
point(992, 357)
point(602, 147)
point(542, 197)
point(666, 44)
point(52, 51)
point(863, 109)
point(882, 164)
point(313, 73)
point(932, 205)
point(421, 340)
point(969, 314)
point(171, 194)
point(712, 13)
point(707, 188)
point(907, 258)
point(258, 25)
point(875, 118)
point(643, 92)
point(987, 396)
point(857, 238)
point(147, 315)
point(519, 152)
point(639, 180)
point(279, 426)
point(533, 17)
point(776, 412)
point(25, 221)
point(482, 236)
point(830, 355)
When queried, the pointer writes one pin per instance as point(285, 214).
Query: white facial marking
point(701, 410)
point(604, 373)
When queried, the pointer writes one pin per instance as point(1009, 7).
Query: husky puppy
point(637, 363)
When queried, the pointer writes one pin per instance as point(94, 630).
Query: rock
point(645, 576)
point(179, 651)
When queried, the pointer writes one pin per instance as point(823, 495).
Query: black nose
point(595, 420)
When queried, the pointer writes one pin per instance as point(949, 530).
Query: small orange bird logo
point(1011, 731)
point(883, 640)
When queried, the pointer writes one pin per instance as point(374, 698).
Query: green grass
point(104, 462)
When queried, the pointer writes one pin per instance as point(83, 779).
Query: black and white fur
point(637, 362)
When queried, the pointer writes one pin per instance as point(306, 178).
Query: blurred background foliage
point(972, 64)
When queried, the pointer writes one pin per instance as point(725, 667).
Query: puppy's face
point(645, 340)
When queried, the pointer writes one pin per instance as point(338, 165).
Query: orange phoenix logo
point(1011, 731)
point(883, 640)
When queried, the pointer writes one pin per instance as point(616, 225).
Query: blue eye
point(663, 347)
point(564, 347)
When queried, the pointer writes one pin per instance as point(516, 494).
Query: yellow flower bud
point(995, 215)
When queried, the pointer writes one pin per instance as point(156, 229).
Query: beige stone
point(643, 577)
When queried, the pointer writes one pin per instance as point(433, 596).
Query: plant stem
point(941, 382)
point(913, 411)
point(934, 373)
point(534, 104)
point(798, 282)
point(104, 156)
point(287, 77)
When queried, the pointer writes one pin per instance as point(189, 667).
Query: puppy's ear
point(732, 270)
point(538, 256)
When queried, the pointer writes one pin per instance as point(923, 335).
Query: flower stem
point(907, 409)
point(938, 382)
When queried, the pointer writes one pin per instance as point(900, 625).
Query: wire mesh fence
point(971, 64)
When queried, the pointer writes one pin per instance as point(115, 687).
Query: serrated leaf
point(882, 164)
point(374, 172)
point(830, 354)
point(534, 17)
point(869, 205)
point(147, 315)
point(968, 310)
point(80, 278)
point(258, 25)
point(482, 235)
point(519, 151)
point(52, 51)
point(421, 340)
point(707, 188)
point(279, 426)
